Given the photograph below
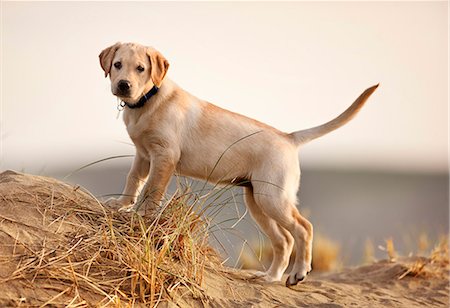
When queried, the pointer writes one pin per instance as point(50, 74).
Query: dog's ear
point(160, 65)
point(106, 57)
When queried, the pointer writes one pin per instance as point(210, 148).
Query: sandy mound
point(60, 246)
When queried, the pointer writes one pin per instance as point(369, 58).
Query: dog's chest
point(135, 130)
point(139, 128)
point(147, 133)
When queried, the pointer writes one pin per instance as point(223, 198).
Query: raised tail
point(306, 135)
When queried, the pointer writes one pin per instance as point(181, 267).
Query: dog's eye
point(118, 65)
point(140, 68)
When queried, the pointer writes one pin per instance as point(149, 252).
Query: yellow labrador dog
point(176, 132)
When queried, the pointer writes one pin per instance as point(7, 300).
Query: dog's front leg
point(135, 180)
point(162, 167)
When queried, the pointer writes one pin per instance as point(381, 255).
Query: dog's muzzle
point(124, 87)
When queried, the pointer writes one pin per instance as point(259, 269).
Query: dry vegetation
point(86, 253)
point(60, 247)
point(436, 265)
point(326, 255)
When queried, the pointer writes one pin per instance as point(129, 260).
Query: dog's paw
point(264, 277)
point(113, 203)
point(127, 209)
point(258, 275)
point(292, 280)
point(296, 277)
point(140, 210)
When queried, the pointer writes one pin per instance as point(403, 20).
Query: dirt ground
point(30, 242)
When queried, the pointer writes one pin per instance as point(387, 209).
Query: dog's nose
point(124, 86)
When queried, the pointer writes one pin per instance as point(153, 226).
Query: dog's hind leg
point(279, 203)
point(281, 239)
point(303, 257)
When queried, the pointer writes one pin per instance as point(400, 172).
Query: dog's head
point(133, 69)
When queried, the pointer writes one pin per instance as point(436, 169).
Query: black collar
point(143, 99)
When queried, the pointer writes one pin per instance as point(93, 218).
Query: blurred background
point(292, 65)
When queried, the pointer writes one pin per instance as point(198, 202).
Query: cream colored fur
point(176, 132)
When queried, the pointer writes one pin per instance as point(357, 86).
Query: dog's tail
point(306, 135)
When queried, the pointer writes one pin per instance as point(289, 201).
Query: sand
point(25, 229)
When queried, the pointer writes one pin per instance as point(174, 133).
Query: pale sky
point(292, 65)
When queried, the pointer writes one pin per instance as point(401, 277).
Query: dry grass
point(423, 264)
point(326, 255)
point(60, 247)
point(389, 249)
point(423, 243)
point(369, 252)
point(436, 265)
point(97, 256)
point(256, 255)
